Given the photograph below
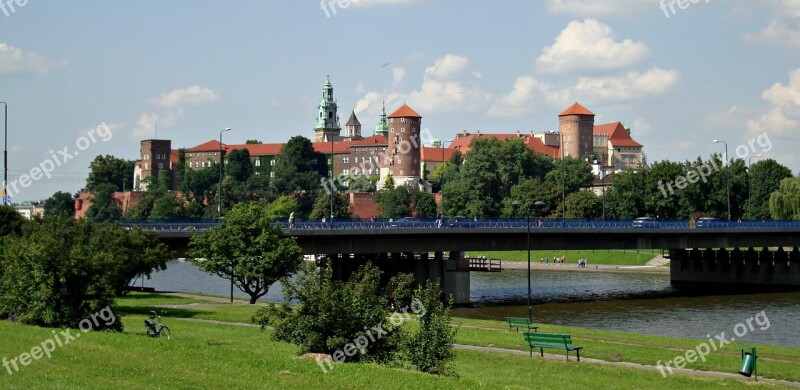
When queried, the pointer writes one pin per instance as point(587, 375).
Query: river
point(620, 301)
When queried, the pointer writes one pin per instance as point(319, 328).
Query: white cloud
point(146, 125)
point(784, 28)
point(641, 127)
point(14, 60)
point(368, 108)
point(449, 86)
point(194, 96)
point(360, 88)
point(590, 45)
point(599, 8)
point(729, 118)
point(398, 75)
point(631, 86)
point(528, 96)
point(782, 117)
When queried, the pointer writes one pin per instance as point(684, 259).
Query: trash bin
point(748, 365)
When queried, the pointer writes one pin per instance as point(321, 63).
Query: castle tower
point(576, 125)
point(383, 124)
point(352, 129)
point(328, 119)
point(404, 146)
point(155, 157)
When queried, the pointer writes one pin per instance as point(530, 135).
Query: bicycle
point(154, 326)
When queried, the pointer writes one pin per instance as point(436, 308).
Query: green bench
point(553, 341)
point(520, 322)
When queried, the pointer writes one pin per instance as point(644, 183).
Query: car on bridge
point(407, 222)
point(645, 222)
point(708, 222)
point(458, 221)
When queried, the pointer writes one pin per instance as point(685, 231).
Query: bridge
point(701, 253)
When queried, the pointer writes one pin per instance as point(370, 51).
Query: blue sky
point(716, 69)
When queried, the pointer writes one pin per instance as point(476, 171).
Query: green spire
point(328, 118)
point(383, 124)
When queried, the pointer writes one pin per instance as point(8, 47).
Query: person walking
point(291, 220)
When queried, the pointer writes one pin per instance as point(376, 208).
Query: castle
point(396, 147)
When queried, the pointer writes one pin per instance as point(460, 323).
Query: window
point(402, 129)
point(369, 171)
point(160, 165)
point(355, 171)
point(346, 160)
point(258, 163)
point(329, 161)
point(272, 163)
point(402, 120)
point(272, 174)
point(413, 129)
point(314, 161)
point(345, 171)
point(146, 166)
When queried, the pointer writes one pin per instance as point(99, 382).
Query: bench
point(520, 322)
point(553, 341)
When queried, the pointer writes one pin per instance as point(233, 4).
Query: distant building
point(29, 210)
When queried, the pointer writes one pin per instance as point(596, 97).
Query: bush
point(431, 348)
point(60, 271)
point(330, 314)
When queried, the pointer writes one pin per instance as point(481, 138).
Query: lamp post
point(221, 173)
point(728, 176)
point(333, 183)
point(442, 179)
point(749, 185)
point(5, 152)
point(538, 205)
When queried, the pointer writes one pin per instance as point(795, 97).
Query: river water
point(620, 301)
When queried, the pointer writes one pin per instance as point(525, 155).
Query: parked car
point(406, 222)
point(708, 222)
point(458, 221)
point(645, 222)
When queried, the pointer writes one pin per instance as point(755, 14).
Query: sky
point(88, 78)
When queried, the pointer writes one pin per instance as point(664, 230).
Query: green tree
point(388, 183)
point(60, 203)
point(109, 170)
point(253, 142)
point(168, 206)
point(784, 204)
point(247, 248)
point(238, 165)
point(528, 192)
point(424, 205)
point(765, 178)
point(430, 349)
point(395, 202)
point(296, 173)
point(361, 184)
point(281, 208)
point(322, 208)
point(60, 271)
point(583, 205)
point(10, 222)
point(104, 206)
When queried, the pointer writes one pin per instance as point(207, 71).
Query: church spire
point(383, 124)
point(327, 125)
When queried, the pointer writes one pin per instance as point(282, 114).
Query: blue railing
point(369, 224)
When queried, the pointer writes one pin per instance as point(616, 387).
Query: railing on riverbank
point(482, 264)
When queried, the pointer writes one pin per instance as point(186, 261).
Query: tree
point(252, 142)
point(395, 202)
point(238, 165)
point(765, 178)
point(361, 184)
point(577, 174)
point(110, 170)
point(61, 271)
point(430, 349)
point(322, 208)
point(296, 173)
point(280, 208)
point(784, 204)
point(247, 248)
point(583, 205)
point(104, 206)
point(60, 203)
point(388, 182)
point(168, 206)
point(424, 205)
point(11, 222)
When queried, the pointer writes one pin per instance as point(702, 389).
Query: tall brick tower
point(576, 125)
point(155, 157)
point(404, 146)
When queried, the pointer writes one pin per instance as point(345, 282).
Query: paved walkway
point(523, 265)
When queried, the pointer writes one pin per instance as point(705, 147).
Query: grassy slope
point(606, 257)
point(202, 355)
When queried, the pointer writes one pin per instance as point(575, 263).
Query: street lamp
point(5, 153)
point(442, 179)
point(333, 183)
point(728, 176)
point(221, 172)
point(749, 185)
point(538, 205)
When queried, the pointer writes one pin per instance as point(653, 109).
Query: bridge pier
point(711, 269)
point(452, 272)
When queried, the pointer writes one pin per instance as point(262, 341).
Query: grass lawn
point(207, 355)
point(604, 257)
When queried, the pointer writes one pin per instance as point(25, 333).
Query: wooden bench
point(520, 322)
point(553, 341)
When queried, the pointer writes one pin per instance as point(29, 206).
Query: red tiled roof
point(209, 146)
point(576, 109)
point(343, 147)
point(462, 143)
point(405, 112)
point(257, 149)
point(616, 134)
point(436, 154)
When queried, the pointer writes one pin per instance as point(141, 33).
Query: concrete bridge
point(429, 251)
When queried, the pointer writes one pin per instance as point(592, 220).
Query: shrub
point(430, 349)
